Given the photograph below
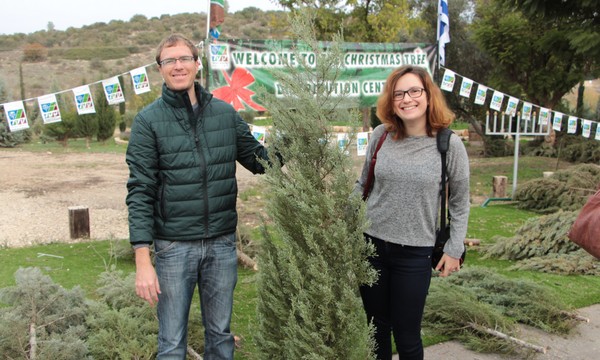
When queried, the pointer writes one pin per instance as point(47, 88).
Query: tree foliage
point(565, 190)
point(450, 310)
point(581, 17)
point(313, 259)
point(121, 326)
point(532, 57)
point(538, 237)
point(66, 128)
point(523, 300)
point(106, 117)
point(42, 320)
point(7, 138)
point(541, 244)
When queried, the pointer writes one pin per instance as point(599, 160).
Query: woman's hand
point(448, 265)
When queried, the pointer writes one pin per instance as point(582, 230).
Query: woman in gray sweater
point(403, 207)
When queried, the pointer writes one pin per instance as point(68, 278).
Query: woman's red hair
point(438, 113)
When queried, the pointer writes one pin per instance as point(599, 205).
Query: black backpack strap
point(443, 144)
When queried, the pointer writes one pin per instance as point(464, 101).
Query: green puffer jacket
point(182, 183)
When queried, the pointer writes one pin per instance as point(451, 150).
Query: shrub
point(35, 52)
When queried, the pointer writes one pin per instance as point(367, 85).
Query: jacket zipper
point(203, 167)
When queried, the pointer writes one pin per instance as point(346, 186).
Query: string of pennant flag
point(84, 101)
point(50, 113)
point(545, 115)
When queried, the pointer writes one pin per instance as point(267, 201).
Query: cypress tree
point(107, 119)
point(313, 257)
point(7, 138)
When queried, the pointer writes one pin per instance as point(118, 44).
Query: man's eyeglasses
point(412, 92)
point(184, 60)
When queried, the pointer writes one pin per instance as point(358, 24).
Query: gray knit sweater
point(403, 206)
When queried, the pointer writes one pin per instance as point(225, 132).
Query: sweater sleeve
point(360, 183)
point(459, 200)
point(249, 150)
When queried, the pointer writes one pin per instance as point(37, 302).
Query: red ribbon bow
point(235, 93)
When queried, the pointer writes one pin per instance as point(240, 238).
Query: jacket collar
point(180, 99)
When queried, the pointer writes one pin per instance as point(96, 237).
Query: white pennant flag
point(526, 111)
point(113, 91)
point(572, 125)
point(16, 116)
point(586, 128)
point(342, 141)
point(362, 142)
point(557, 121)
point(49, 109)
point(139, 77)
point(84, 100)
point(448, 80)
point(497, 99)
point(259, 133)
point(511, 106)
point(544, 118)
point(466, 87)
point(481, 94)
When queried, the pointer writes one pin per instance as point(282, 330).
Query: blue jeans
point(180, 265)
point(395, 303)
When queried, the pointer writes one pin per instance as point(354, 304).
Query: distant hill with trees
point(53, 60)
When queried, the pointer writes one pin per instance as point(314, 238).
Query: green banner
point(239, 67)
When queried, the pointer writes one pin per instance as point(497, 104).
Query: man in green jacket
point(181, 198)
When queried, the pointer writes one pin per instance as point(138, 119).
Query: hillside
point(92, 53)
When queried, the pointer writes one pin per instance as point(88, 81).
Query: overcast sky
point(27, 16)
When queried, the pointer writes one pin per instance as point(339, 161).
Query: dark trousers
point(395, 303)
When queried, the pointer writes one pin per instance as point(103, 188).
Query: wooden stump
point(548, 174)
point(499, 186)
point(79, 222)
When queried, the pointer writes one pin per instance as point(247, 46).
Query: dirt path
point(36, 190)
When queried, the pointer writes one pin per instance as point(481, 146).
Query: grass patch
point(73, 146)
point(529, 167)
point(496, 219)
point(67, 264)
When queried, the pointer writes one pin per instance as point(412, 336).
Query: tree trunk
point(501, 335)
point(32, 341)
point(246, 260)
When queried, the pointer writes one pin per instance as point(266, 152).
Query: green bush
point(85, 53)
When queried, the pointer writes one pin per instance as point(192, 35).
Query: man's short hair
point(174, 40)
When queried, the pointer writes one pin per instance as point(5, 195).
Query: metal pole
point(207, 47)
point(516, 162)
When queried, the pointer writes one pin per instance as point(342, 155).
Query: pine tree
point(122, 326)
point(42, 320)
point(313, 258)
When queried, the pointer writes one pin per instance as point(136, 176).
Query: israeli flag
point(443, 30)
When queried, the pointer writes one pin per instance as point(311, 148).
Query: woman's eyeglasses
point(412, 92)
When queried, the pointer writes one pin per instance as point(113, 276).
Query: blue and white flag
point(443, 30)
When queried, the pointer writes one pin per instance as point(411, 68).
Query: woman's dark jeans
point(395, 303)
